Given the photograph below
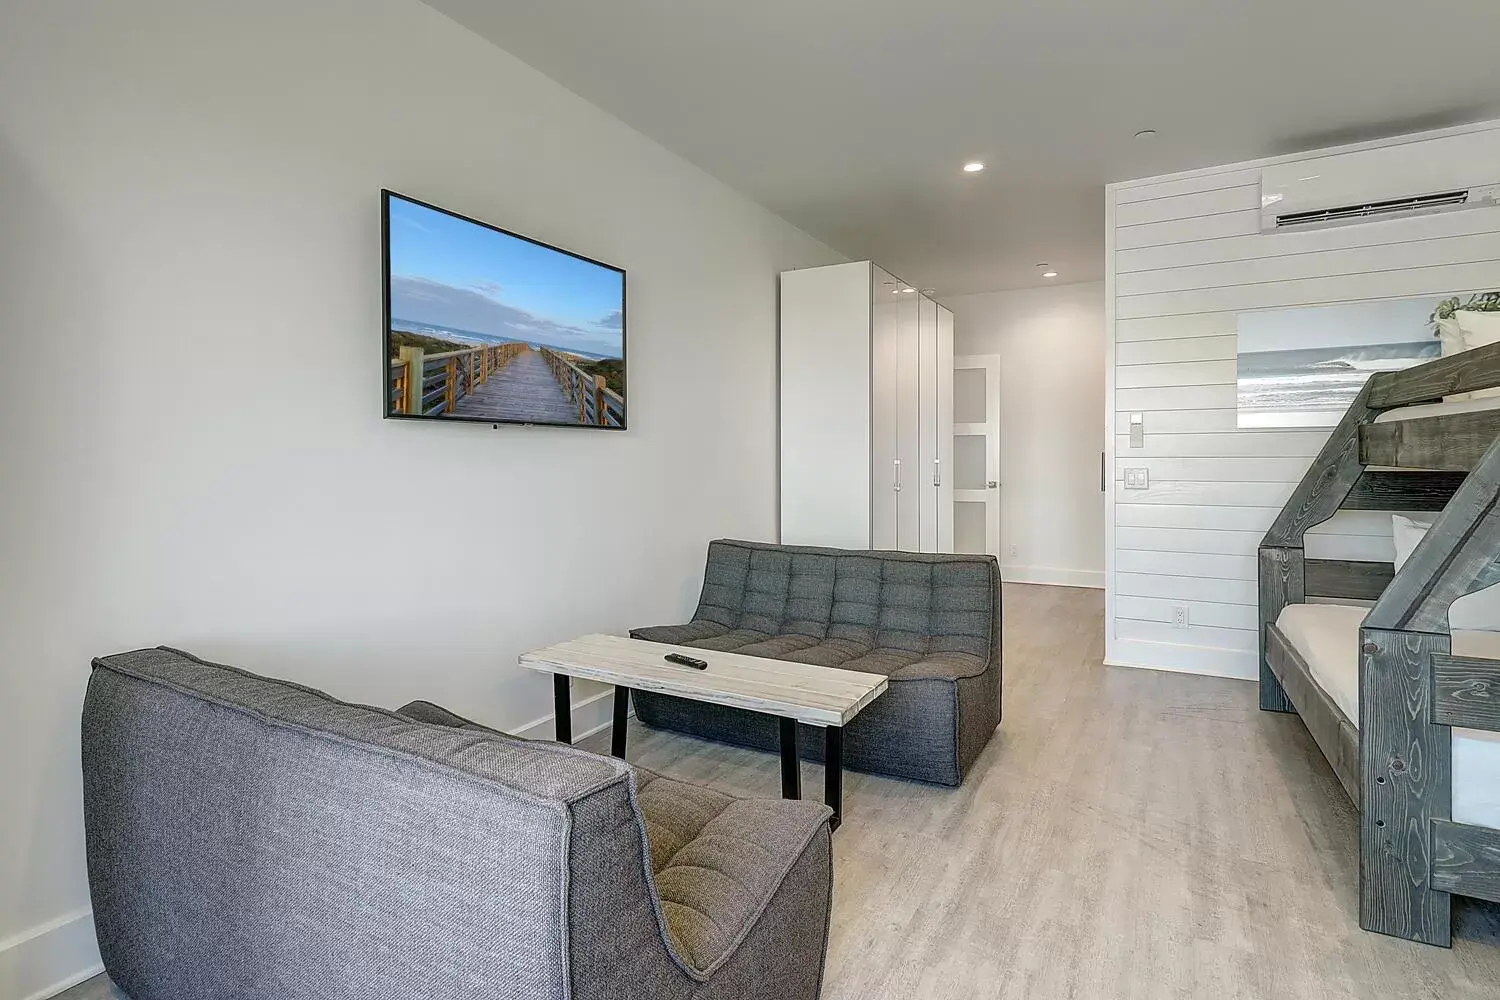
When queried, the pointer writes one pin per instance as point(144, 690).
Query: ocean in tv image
point(488, 326)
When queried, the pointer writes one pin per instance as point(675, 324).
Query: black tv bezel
point(385, 338)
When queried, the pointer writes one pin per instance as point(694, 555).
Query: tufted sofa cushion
point(929, 622)
point(717, 860)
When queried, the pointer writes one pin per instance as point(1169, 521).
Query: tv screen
point(485, 325)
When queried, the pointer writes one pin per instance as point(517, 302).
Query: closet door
point(945, 429)
point(927, 425)
point(885, 380)
point(908, 420)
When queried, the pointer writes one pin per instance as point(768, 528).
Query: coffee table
point(793, 692)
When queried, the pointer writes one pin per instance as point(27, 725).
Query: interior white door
point(927, 426)
point(976, 454)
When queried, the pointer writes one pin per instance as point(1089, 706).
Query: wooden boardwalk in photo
point(525, 389)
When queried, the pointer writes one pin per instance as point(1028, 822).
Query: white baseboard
point(1209, 661)
point(593, 714)
point(46, 960)
point(1049, 577)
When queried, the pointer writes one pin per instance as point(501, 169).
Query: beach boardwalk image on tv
point(488, 326)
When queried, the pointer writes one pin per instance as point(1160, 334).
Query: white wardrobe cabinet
point(866, 411)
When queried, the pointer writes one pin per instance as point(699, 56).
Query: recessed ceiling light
point(1146, 133)
point(908, 290)
point(1049, 274)
point(973, 167)
point(1047, 271)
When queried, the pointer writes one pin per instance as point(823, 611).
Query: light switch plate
point(1137, 479)
point(1137, 430)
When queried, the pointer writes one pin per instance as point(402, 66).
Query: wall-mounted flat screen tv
point(488, 326)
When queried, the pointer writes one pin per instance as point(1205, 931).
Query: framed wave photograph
point(489, 326)
point(1303, 367)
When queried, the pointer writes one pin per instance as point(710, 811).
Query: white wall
point(190, 430)
point(1186, 257)
point(1051, 344)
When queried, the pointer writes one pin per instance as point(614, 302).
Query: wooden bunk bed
point(1389, 731)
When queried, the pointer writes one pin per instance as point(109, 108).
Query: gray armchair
point(252, 838)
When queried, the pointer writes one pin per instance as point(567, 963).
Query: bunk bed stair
point(1395, 759)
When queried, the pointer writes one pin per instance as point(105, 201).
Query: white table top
point(821, 696)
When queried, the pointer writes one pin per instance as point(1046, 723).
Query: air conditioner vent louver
point(1373, 210)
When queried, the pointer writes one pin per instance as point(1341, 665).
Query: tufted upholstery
point(929, 622)
point(252, 838)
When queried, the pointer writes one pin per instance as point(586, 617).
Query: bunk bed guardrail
point(1396, 764)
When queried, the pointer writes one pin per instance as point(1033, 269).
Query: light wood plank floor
point(1128, 834)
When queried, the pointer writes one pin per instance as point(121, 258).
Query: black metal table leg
point(622, 712)
point(791, 768)
point(562, 707)
point(833, 773)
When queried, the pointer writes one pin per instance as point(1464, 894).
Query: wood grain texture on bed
point(1347, 579)
point(1329, 480)
point(1281, 579)
point(1452, 442)
point(1466, 692)
point(1406, 782)
point(1466, 372)
point(1404, 491)
point(1334, 734)
point(1466, 859)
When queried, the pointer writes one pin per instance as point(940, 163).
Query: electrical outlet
point(1179, 616)
point(1013, 550)
point(1137, 479)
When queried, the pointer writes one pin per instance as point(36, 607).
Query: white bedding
point(1327, 636)
point(1439, 409)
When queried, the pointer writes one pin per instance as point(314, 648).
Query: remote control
point(686, 661)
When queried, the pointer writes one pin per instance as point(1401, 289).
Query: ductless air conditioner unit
point(1394, 182)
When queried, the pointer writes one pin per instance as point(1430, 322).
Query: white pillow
point(1479, 611)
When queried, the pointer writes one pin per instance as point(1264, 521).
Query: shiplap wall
point(1185, 257)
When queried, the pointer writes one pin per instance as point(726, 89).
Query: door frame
point(989, 429)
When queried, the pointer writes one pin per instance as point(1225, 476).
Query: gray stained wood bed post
point(1283, 563)
point(1405, 751)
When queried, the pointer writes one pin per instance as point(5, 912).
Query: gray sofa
point(929, 622)
point(251, 838)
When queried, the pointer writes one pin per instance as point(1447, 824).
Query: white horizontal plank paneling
point(1207, 227)
point(1160, 515)
point(1155, 352)
point(1208, 470)
point(1226, 494)
point(1206, 540)
point(1413, 282)
point(1187, 373)
point(1223, 324)
point(1250, 444)
point(1262, 245)
point(1184, 588)
point(1364, 260)
point(1186, 564)
point(1185, 185)
point(1218, 638)
point(1220, 421)
point(1178, 397)
point(1202, 613)
point(1189, 206)
point(1245, 543)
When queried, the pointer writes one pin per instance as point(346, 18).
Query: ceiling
point(853, 118)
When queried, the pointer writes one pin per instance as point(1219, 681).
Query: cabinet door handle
point(897, 463)
point(937, 472)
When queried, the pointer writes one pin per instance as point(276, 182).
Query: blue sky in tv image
point(459, 279)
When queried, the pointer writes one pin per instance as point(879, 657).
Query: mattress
point(1439, 409)
point(1327, 636)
